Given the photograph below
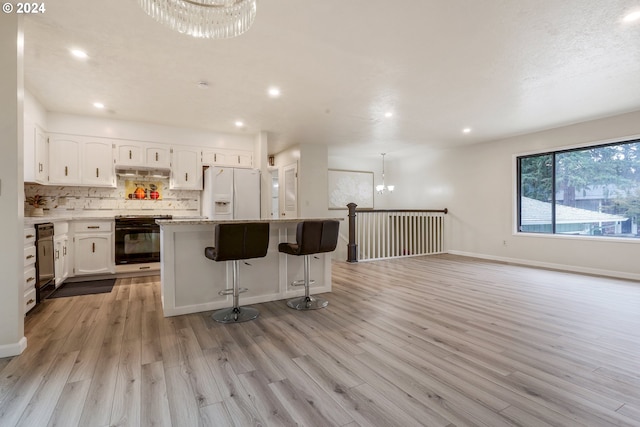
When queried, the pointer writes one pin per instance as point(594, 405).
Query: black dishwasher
point(45, 261)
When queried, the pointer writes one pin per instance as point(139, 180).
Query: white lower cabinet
point(62, 251)
point(93, 247)
point(29, 283)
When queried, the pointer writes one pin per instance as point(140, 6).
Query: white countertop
point(185, 221)
point(32, 220)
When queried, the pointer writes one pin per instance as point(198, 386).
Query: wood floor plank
point(127, 392)
point(155, 408)
point(68, 409)
point(42, 404)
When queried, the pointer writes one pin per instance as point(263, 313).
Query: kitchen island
point(191, 282)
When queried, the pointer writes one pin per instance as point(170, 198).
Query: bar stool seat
point(312, 237)
point(235, 242)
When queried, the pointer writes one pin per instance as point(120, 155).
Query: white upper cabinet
point(225, 157)
point(97, 164)
point(77, 160)
point(186, 168)
point(36, 155)
point(64, 160)
point(143, 155)
point(129, 154)
point(158, 156)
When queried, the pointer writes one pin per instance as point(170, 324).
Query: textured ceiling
point(500, 67)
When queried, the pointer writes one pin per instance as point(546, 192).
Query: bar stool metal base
point(235, 314)
point(307, 303)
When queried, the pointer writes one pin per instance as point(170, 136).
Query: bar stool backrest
point(241, 241)
point(314, 237)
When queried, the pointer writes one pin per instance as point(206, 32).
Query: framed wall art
point(347, 186)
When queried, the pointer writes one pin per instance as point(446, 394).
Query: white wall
point(477, 184)
point(12, 340)
point(313, 182)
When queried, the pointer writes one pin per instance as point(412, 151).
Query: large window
point(593, 191)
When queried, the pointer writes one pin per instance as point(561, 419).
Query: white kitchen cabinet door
point(186, 169)
point(158, 157)
point(61, 246)
point(93, 253)
point(245, 159)
point(64, 160)
point(41, 156)
point(97, 165)
point(36, 155)
point(130, 154)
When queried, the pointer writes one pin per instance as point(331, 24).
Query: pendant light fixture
point(208, 19)
point(382, 188)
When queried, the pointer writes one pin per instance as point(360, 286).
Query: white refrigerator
point(231, 193)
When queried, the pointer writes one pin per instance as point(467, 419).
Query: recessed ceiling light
point(274, 92)
point(388, 114)
point(80, 54)
point(633, 16)
point(239, 123)
point(99, 105)
point(466, 130)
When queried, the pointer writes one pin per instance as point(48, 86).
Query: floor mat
point(73, 289)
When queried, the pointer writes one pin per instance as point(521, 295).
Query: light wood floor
point(430, 341)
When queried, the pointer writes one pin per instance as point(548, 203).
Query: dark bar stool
point(312, 237)
point(235, 242)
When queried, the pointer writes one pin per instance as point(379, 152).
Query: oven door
point(136, 244)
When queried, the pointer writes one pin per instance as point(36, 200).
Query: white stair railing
point(380, 234)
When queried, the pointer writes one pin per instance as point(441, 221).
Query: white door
point(289, 193)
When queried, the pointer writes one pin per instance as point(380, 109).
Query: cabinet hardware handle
point(129, 154)
point(144, 268)
point(31, 301)
point(39, 167)
point(97, 173)
point(64, 250)
point(215, 157)
point(238, 159)
point(44, 251)
point(66, 171)
point(93, 247)
point(29, 256)
point(186, 176)
point(31, 279)
point(28, 236)
point(93, 226)
point(156, 156)
point(57, 253)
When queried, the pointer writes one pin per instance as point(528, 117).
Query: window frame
point(554, 153)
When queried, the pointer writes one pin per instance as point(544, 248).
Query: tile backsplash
point(98, 201)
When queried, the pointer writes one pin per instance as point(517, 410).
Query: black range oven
point(137, 239)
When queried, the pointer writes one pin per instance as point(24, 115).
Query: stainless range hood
point(137, 172)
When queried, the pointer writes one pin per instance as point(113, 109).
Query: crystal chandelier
point(209, 19)
point(382, 188)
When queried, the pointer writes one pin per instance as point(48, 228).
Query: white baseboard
point(9, 350)
point(552, 266)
